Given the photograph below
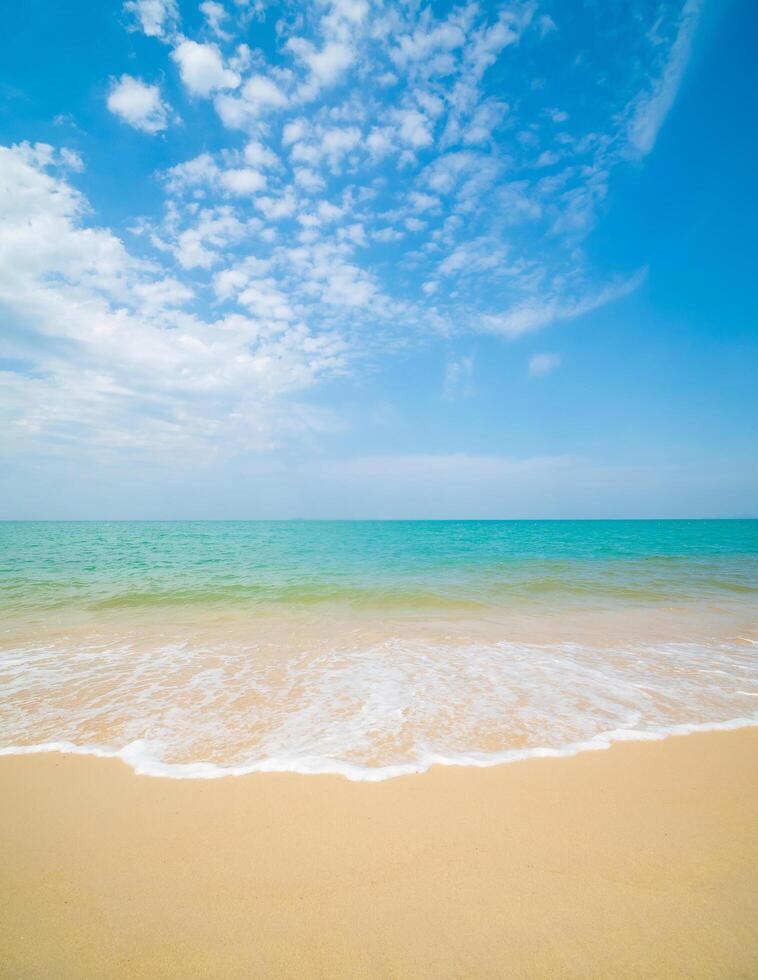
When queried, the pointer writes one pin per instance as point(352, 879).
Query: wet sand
point(637, 861)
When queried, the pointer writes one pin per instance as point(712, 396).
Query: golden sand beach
point(641, 860)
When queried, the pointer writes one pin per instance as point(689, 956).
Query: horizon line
point(356, 520)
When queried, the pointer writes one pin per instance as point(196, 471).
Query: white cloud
point(242, 180)
point(423, 202)
point(198, 246)
point(215, 14)
point(112, 353)
point(202, 175)
point(241, 59)
point(414, 128)
point(277, 208)
point(192, 174)
point(202, 68)
point(335, 143)
point(260, 95)
point(348, 285)
point(380, 141)
point(308, 179)
point(265, 300)
point(258, 155)
point(424, 42)
point(157, 18)
point(321, 144)
point(325, 65)
point(488, 42)
point(294, 131)
point(447, 172)
point(484, 120)
point(389, 235)
point(72, 159)
point(548, 158)
point(138, 104)
point(329, 212)
point(518, 202)
point(649, 111)
point(233, 112)
point(162, 294)
point(476, 256)
point(41, 229)
point(330, 62)
point(542, 364)
point(538, 312)
point(229, 281)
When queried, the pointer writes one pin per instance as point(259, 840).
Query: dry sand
point(638, 861)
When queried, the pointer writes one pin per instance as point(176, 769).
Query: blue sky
point(353, 259)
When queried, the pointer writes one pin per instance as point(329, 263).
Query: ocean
point(370, 649)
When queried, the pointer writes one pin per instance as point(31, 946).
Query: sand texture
point(639, 861)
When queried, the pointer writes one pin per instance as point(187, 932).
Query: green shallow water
point(372, 564)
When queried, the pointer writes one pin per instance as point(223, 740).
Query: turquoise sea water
point(405, 563)
point(370, 648)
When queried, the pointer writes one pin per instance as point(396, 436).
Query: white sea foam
point(137, 756)
point(367, 712)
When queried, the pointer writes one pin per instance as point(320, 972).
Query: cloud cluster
point(115, 354)
point(372, 176)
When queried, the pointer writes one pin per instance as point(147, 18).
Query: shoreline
point(131, 756)
point(640, 860)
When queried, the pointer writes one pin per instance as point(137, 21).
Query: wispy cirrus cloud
point(533, 315)
point(650, 108)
